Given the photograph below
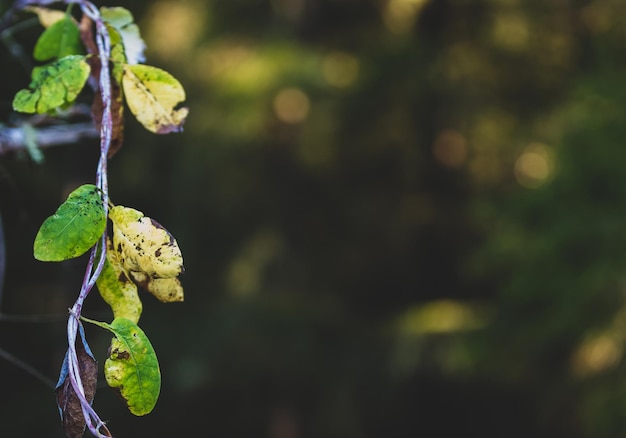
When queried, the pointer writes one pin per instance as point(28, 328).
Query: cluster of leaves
point(141, 252)
point(151, 94)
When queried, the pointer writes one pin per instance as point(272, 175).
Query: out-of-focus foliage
point(399, 218)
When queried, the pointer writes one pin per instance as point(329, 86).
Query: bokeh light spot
point(442, 316)
point(450, 148)
point(511, 31)
point(596, 354)
point(246, 273)
point(164, 23)
point(400, 15)
point(291, 105)
point(340, 69)
point(534, 166)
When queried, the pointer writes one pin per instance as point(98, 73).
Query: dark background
point(399, 218)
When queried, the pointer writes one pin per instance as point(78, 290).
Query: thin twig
point(33, 318)
point(96, 426)
point(12, 139)
point(28, 368)
point(93, 421)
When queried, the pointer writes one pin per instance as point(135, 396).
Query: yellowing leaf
point(132, 366)
point(47, 17)
point(166, 290)
point(152, 95)
point(121, 19)
point(143, 245)
point(117, 290)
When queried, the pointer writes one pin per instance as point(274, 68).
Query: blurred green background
point(399, 218)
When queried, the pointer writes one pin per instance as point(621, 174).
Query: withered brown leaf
point(69, 405)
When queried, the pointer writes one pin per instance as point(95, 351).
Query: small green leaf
point(117, 290)
point(121, 19)
point(152, 95)
point(132, 366)
point(59, 40)
point(53, 85)
point(75, 227)
point(118, 56)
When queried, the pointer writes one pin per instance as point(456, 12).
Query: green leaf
point(152, 94)
point(117, 290)
point(132, 366)
point(75, 227)
point(53, 85)
point(121, 19)
point(59, 40)
point(118, 56)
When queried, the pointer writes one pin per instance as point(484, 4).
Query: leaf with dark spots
point(144, 245)
point(132, 367)
point(53, 85)
point(166, 290)
point(152, 95)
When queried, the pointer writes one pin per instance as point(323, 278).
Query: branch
point(12, 139)
point(28, 368)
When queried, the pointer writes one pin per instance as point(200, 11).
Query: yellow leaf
point(143, 245)
point(117, 290)
point(166, 290)
point(47, 17)
point(152, 95)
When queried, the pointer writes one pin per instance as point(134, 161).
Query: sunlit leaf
point(53, 85)
point(74, 228)
point(59, 40)
point(152, 95)
point(69, 406)
point(132, 366)
point(166, 290)
point(47, 17)
point(117, 290)
point(122, 21)
point(144, 245)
